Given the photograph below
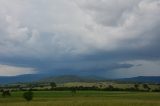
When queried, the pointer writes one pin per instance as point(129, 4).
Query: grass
point(84, 98)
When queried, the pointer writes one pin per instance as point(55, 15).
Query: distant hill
point(48, 78)
point(142, 79)
point(71, 78)
point(20, 78)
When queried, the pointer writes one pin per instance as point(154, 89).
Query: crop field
point(83, 98)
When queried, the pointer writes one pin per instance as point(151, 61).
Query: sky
point(109, 38)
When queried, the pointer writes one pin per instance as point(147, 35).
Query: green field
point(84, 98)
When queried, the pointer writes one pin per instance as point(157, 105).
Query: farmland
point(108, 93)
point(84, 98)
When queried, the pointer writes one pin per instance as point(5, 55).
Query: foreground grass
point(84, 98)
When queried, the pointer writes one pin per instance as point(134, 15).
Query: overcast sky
point(109, 38)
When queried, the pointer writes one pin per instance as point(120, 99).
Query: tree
point(101, 85)
point(6, 93)
point(145, 86)
point(110, 87)
point(136, 86)
point(73, 90)
point(53, 85)
point(28, 95)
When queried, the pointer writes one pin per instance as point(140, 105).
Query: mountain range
point(142, 79)
point(73, 78)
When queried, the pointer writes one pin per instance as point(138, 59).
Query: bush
point(28, 95)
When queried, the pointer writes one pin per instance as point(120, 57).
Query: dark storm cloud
point(79, 36)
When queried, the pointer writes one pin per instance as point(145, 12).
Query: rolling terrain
point(74, 78)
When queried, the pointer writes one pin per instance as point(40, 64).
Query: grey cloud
point(79, 35)
point(109, 12)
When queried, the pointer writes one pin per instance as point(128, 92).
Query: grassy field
point(84, 98)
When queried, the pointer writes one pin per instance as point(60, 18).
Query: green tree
point(28, 95)
point(136, 86)
point(73, 91)
point(53, 85)
point(6, 93)
point(145, 86)
point(110, 87)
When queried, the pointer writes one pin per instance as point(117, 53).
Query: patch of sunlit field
point(83, 98)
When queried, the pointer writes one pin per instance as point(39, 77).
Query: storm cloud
point(109, 38)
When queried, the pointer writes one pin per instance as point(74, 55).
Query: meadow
point(84, 98)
